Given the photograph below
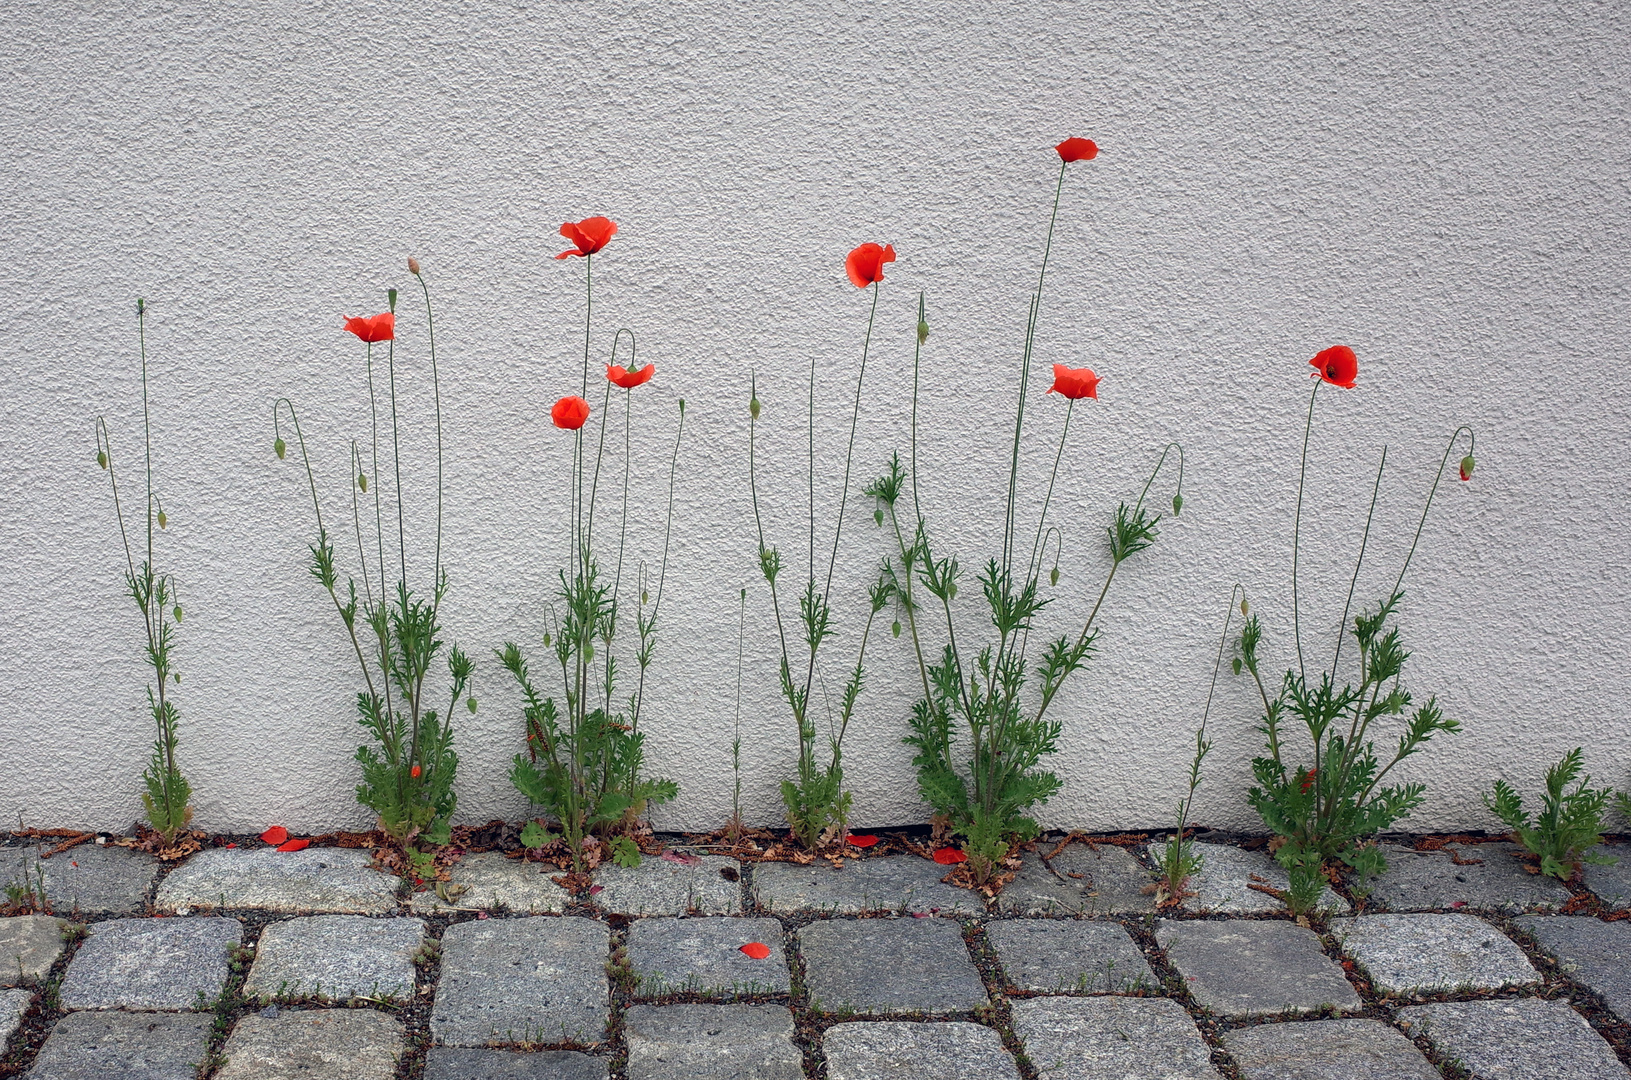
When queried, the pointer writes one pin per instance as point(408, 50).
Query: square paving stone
point(450, 1063)
point(124, 1046)
point(495, 883)
point(1594, 953)
point(712, 1042)
point(321, 1044)
point(1245, 967)
point(13, 1004)
point(710, 886)
point(1326, 1050)
point(534, 979)
point(93, 879)
point(1410, 954)
point(1068, 1038)
point(889, 965)
point(338, 957)
point(1523, 1039)
point(1080, 956)
point(1083, 880)
point(1224, 884)
point(314, 880)
point(1433, 881)
point(1612, 884)
point(150, 964)
point(891, 883)
point(705, 956)
point(908, 1051)
point(29, 945)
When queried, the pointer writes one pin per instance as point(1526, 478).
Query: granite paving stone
point(455, 1063)
point(1594, 953)
point(13, 1004)
point(890, 883)
point(709, 886)
point(96, 879)
point(896, 1050)
point(1522, 1039)
point(1081, 956)
point(1071, 1037)
point(336, 957)
point(1326, 1050)
point(889, 965)
point(1409, 954)
point(124, 1046)
point(492, 882)
point(1083, 880)
point(316, 880)
point(150, 964)
point(1227, 873)
point(704, 955)
point(321, 1044)
point(29, 945)
point(712, 1042)
point(1488, 878)
point(533, 979)
point(1245, 967)
point(1611, 883)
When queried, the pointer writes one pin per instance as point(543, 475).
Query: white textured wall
point(1441, 186)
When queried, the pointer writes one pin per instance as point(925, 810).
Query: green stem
point(1353, 582)
point(1296, 532)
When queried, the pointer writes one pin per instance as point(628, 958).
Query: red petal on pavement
point(863, 841)
point(275, 835)
point(948, 856)
point(294, 845)
point(758, 950)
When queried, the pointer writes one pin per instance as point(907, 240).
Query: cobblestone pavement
point(249, 964)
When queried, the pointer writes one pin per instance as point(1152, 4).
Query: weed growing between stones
point(168, 795)
point(395, 633)
point(1568, 823)
point(585, 759)
point(1329, 813)
point(985, 790)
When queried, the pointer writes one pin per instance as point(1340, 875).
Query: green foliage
point(1568, 824)
point(625, 852)
point(534, 835)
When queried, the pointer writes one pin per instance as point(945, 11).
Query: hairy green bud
point(877, 515)
point(470, 703)
point(102, 459)
point(753, 407)
point(1053, 576)
point(1177, 505)
point(895, 629)
point(163, 521)
point(546, 639)
point(177, 612)
point(1243, 606)
point(390, 294)
point(362, 481)
point(922, 331)
point(279, 447)
point(1466, 467)
point(1237, 665)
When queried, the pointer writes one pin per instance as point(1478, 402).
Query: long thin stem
point(1296, 531)
point(1353, 582)
point(1041, 521)
point(396, 459)
point(854, 422)
point(436, 389)
point(379, 520)
point(1472, 444)
point(917, 356)
point(662, 572)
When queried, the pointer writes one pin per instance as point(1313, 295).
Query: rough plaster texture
point(1441, 187)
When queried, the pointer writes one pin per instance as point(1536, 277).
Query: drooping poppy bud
point(177, 613)
point(414, 772)
point(753, 408)
point(163, 520)
point(877, 515)
point(413, 266)
point(1466, 467)
point(1053, 576)
point(895, 628)
point(922, 331)
point(1177, 505)
point(102, 459)
point(470, 703)
point(362, 482)
point(546, 639)
point(1244, 607)
point(279, 447)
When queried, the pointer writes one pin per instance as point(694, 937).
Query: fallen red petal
point(294, 845)
point(595, 890)
point(948, 856)
point(275, 835)
point(758, 950)
point(682, 858)
point(863, 841)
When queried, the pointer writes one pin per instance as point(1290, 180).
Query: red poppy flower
point(414, 772)
point(294, 845)
point(275, 835)
point(570, 412)
point(1466, 467)
point(950, 856)
point(1074, 149)
point(1074, 383)
point(627, 379)
point(381, 327)
point(590, 235)
point(1337, 365)
point(865, 264)
point(863, 841)
point(756, 950)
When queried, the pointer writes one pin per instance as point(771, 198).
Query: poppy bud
point(141, 305)
point(895, 629)
point(470, 703)
point(390, 295)
point(1053, 576)
point(1237, 665)
point(1466, 467)
point(413, 266)
point(922, 331)
point(178, 676)
point(645, 596)
point(952, 590)
point(163, 521)
point(102, 459)
point(1243, 606)
point(362, 481)
point(177, 612)
point(1177, 505)
point(415, 771)
point(753, 408)
point(546, 639)
point(588, 652)
point(877, 515)
point(682, 406)
point(279, 447)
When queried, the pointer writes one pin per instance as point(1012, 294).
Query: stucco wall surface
point(1442, 187)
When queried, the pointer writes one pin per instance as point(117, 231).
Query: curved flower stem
point(379, 520)
point(1353, 582)
point(854, 422)
point(662, 575)
point(1472, 443)
point(917, 355)
point(436, 389)
point(396, 455)
point(356, 518)
point(1064, 433)
point(1296, 532)
point(764, 554)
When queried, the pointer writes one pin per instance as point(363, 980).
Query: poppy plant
point(950, 856)
point(589, 235)
point(1074, 383)
point(381, 327)
point(1074, 149)
point(865, 264)
point(1337, 365)
point(627, 379)
point(570, 412)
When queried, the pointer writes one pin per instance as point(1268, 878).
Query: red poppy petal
point(294, 845)
point(1077, 149)
point(863, 841)
point(756, 950)
point(1337, 365)
point(950, 856)
point(570, 413)
point(275, 835)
